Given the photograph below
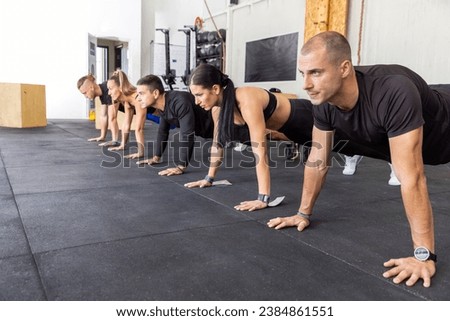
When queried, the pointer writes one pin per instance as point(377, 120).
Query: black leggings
point(299, 125)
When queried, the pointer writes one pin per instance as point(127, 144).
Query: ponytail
point(121, 79)
point(207, 76)
point(226, 115)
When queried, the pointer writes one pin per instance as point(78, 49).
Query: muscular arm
point(251, 108)
point(316, 169)
point(315, 172)
point(406, 151)
point(254, 118)
point(406, 154)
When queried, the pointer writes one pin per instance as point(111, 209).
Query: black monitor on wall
point(272, 59)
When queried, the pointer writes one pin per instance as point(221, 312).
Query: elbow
point(318, 165)
point(412, 180)
point(139, 129)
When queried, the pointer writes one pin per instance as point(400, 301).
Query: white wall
point(148, 36)
point(414, 33)
point(174, 15)
point(45, 42)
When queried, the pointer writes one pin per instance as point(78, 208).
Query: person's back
point(435, 111)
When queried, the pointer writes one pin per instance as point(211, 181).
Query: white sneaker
point(239, 147)
point(350, 164)
point(393, 181)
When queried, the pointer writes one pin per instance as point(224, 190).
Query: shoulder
point(215, 112)
point(389, 76)
point(251, 95)
point(382, 86)
point(180, 97)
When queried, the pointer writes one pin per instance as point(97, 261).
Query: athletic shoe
point(393, 181)
point(239, 147)
point(291, 151)
point(351, 163)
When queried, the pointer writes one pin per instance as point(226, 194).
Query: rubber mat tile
point(5, 188)
point(365, 237)
point(19, 280)
point(52, 178)
point(12, 237)
point(74, 218)
point(236, 262)
point(52, 154)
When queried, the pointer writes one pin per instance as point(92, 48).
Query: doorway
point(102, 59)
point(121, 57)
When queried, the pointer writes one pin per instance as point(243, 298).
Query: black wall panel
point(272, 59)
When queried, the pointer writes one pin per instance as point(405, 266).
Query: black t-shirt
point(393, 100)
point(105, 99)
point(180, 110)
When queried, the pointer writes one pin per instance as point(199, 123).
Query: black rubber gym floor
point(80, 223)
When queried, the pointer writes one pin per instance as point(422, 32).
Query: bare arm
point(215, 156)
point(126, 126)
point(139, 131)
point(315, 172)
point(251, 104)
point(406, 153)
point(103, 119)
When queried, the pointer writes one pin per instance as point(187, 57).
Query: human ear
point(346, 68)
point(216, 89)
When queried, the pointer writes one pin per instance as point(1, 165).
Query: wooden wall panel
point(338, 16)
point(323, 15)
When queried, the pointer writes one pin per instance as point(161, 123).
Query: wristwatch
point(264, 198)
point(423, 254)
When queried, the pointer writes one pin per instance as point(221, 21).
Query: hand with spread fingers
point(150, 161)
point(96, 139)
point(251, 205)
point(112, 143)
point(201, 183)
point(300, 221)
point(134, 155)
point(410, 270)
point(120, 147)
point(172, 171)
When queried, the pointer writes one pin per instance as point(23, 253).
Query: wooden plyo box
point(22, 105)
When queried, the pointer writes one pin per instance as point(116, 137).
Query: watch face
point(421, 253)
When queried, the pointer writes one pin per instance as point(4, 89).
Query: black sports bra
point(271, 106)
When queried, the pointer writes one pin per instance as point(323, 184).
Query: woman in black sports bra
point(254, 107)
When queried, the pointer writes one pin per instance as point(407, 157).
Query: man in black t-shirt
point(387, 112)
point(108, 111)
point(176, 108)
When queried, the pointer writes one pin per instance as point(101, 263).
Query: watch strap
point(264, 198)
